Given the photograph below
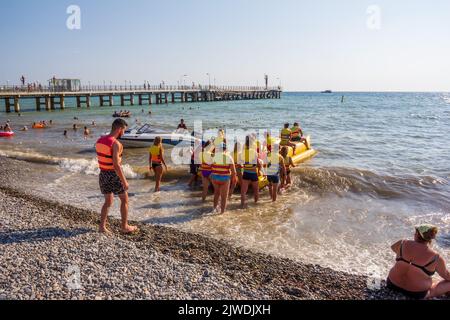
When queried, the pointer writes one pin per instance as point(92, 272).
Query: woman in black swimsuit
point(415, 266)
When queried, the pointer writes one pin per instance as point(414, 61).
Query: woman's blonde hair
point(428, 235)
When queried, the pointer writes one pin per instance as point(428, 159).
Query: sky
point(346, 45)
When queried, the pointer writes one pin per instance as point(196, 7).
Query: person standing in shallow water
point(416, 264)
point(223, 173)
point(112, 179)
point(157, 162)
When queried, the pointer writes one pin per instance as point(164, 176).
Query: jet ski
point(144, 137)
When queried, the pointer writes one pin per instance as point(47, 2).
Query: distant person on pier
point(416, 265)
point(112, 179)
point(22, 80)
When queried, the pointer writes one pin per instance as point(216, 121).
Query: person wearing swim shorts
point(223, 172)
point(112, 180)
point(157, 162)
point(274, 167)
point(251, 166)
point(288, 164)
point(238, 168)
point(206, 159)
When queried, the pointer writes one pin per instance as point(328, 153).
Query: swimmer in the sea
point(86, 133)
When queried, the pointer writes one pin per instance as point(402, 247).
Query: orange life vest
point(296, 133)
point(220, 167)
point(104, 148)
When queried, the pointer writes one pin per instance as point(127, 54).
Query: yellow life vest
point(156, 153)
point(285, 137)
point(273, 164)
point(250, 160)
point(207, 161)
point(287, 162)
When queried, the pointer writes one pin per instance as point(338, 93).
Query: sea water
point(383, 166)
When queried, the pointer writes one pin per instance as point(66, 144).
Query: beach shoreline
point(42, 239)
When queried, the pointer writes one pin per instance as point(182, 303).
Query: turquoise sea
point(383, 166)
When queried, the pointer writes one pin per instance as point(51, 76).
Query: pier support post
point(140, 99)
point(16, 105)
point(132, 99)
point(48, 103)
point(111, 100)
point(62, 103)
point(173, 97)
point(38, 103)
point(166, 101)
point(88, 101)
point(52, 103)
point(101, 101)
point(8, 105)
point(78, 102)
point(122, 100)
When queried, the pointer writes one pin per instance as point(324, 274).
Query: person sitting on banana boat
point(288, 164)
point(298, 136)
point(285, 136)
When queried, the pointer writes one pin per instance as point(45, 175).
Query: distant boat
point(327, 91)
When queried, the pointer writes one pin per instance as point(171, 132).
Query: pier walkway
point(49, 99)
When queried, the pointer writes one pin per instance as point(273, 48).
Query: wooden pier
point(50, 100)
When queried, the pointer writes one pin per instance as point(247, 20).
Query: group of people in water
point(122, 114)
point(6, 127)
point(245, 165)
point(416, 262)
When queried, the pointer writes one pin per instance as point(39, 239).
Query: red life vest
point(104, 148)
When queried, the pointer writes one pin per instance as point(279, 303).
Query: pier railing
point(129, 88)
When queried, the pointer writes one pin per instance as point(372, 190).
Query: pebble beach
point(43, 242)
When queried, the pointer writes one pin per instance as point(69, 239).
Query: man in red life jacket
point(112, 179)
